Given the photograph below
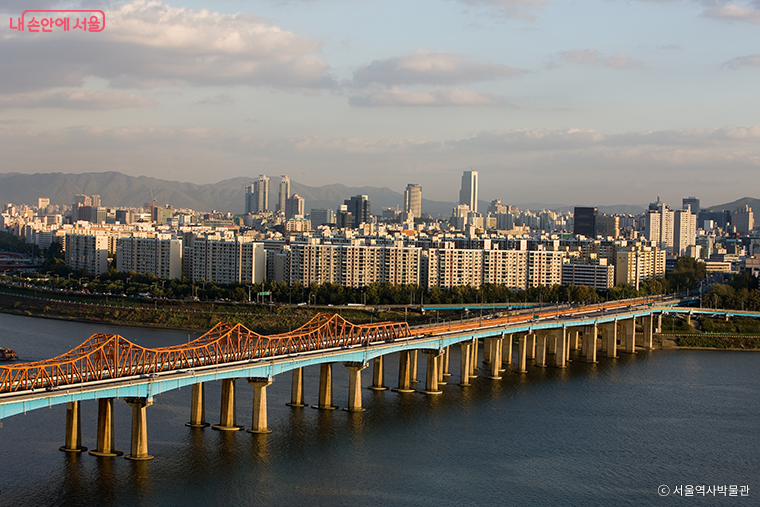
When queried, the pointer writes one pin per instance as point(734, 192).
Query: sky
point(593, 102)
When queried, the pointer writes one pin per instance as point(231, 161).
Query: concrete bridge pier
point(573, 341)
point(297, 398)
point(629, 335)
point(506, 350)
point(378, 375)
point(648, 321)
point(447, 361)
point(431, 377)
point(441, 360)
point(487, 348)
point(259, 419)
point(540, 359)
point(530, 343)
point(551, 344)
point(404, 367)
point(560, 341)
point(659, 323)
point(105, 444)
point(139, 445)
point(227, 412)
point(325, 388)
point(465, 364)
point(413, 370)
point(495, 354)
point(522, 354)
point(355, 386)
point(609, 339)
point(589, 343)
point(197, 407)
point(474, 360)
point(73, 428)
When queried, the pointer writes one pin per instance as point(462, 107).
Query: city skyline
point(557, 102)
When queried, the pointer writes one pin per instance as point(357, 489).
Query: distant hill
point(117, 189)
point(731, 206)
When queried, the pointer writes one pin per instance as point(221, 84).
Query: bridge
point(107, 367)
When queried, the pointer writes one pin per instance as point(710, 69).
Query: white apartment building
point(637, 262)
point(159, 254)
point(226, 261)
point(88, 252)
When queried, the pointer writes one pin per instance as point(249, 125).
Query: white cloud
point(733, 12)
point(591, 56)
point(520, 9)
point(743, 61)
point(431, 67)
point(222, 98)
point(449, 97)
point(151, 43)
point(76, 99)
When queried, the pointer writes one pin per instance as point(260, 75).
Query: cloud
point(743, 61)
point(450, 97)
point(217, 100)
point(76, 99)
point(147, 44)
point(591, 56)
point(431, 67)
point(732, 12)
point(519, 9)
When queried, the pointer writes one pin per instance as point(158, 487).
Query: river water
point(590, 435)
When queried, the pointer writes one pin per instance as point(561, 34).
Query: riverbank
point(180, 315)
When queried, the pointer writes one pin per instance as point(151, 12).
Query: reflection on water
point(589, 434)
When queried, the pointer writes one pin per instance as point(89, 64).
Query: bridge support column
point(378, 374)
point(495, 354)
point(73, 428)
point(688, 318)
point(589, 343)
point(573, 339)
point(105, 445)
point(487, 349)
point(530, 343)
point(560, 340)
point(522, 354)
point(431, 375)
point(659, 323)
point(139, 445)
point(540, 359)
point(325, 388)
point(506, 350)
point(297, 398)
point(447, 361)
point(609, 339)
point(355, 386)
point(227, 412)
point(404, 367)
point(259, 419)
point(197, 407)
point(629, 335)
point(648, 321)
point(441, 360)
point(474, 361)
point(465, 363)
point(551, 345)
point(413, 371)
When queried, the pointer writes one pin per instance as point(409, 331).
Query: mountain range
point(117, 189)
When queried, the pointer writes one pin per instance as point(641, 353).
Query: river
point(600, 434)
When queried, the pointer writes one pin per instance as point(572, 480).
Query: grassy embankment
point(717, 333)
point(196, 316)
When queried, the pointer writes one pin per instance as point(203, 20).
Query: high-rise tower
point(469, 193)
point(413, 200)
point(282, 201)
point(257, 195)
